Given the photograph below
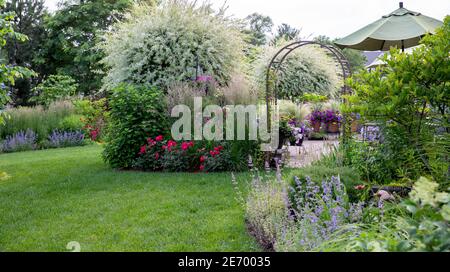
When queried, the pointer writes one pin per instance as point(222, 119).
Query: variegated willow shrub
point(174, 41)
point(308, 70)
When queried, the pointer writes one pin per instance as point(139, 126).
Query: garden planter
point(333, 128)
point(316, 126)
point(355, 126)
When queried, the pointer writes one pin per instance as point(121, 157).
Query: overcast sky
point(334, 18)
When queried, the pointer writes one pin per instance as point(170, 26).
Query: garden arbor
point(274, 69)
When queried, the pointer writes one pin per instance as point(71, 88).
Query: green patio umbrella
point(402, 29)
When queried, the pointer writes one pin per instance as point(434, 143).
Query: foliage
point(410, 96)
point(54, 88)
point(265, 208)
point(95, 116)
point(172, 42)
point(258, 26)
point(422, 225)
point(71, 123)
point(136, 112)
point(348, 176)
point(21, 141)
point(356, 58)
point(319, 211)
point(79, 23)
point(9, 73)
point(307, 70)
point(159, 154)
point(29, 20)
point(58, 139)
point(286, 32)
point(40, 120)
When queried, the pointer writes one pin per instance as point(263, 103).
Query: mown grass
point(62, 195)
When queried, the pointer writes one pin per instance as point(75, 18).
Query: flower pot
point(333, 128)
point(355, 126)
point(316, 126)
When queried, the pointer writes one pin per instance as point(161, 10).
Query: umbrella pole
point(403, 46)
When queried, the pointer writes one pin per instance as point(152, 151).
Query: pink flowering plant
point(159, 154)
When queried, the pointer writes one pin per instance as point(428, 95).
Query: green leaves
point(55, 87)
point(172, 43)
point(137, 112)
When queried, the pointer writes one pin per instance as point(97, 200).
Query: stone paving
point(311, 151)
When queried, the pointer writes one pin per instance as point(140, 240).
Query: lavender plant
point(317, 212)
point(21, 141)
point(65, 139)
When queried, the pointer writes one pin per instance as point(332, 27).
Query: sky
point(333, 18)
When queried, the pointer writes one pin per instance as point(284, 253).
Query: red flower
point(151, 142)
point(156, 156)
point(360, 187)
point(143, 150)
point(185, 145)
point(202, 167)
point(202, 158)
point(164, 147)
point(171, 143)
point(214, 153)
point(159, 138)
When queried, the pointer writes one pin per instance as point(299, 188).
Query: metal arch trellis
point(281, 55)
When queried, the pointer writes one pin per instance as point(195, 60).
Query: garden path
point(311, 151)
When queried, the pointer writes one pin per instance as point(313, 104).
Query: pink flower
point(360, 187)
point(185, 146)
point(156, 156)
point(171, 143)
point(151, 142)
point(159, 138)
point(202, 159)
point(143, 150)
point(202, 167)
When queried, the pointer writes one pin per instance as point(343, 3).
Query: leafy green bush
point(165, 44)
point(55, 87)
point(95, 116)
point(71, 123)
point(136, 113)
point(41, 121)
point(421, 224)
point(410, 97)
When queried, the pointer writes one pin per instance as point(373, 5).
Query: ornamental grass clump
point(21, 141)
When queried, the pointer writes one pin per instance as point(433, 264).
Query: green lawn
point(62, 195)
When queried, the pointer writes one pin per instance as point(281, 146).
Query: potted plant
point(333, 119)
point(315, 119)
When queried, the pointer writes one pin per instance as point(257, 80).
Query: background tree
point(286, 32)
point(29, 20)
point(258, 28)
point(8, 73)
point(355, 57)
point(73, 33)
